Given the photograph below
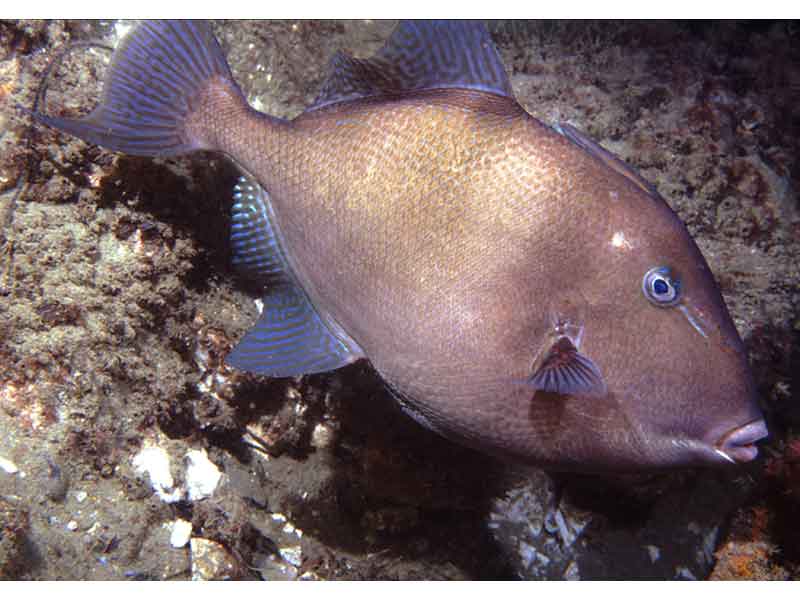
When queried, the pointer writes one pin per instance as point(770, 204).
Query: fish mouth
point(738, 444)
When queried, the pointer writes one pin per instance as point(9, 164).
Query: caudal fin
point(158, 79)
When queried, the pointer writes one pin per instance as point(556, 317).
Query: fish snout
point(738, 444)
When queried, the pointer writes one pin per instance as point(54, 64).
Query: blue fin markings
point(419, 55)
point(291, 337)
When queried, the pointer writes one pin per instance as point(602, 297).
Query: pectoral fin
point(562, 369)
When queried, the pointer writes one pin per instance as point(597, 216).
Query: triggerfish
point(520, 289)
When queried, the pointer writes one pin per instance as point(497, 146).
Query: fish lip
point(738, 444)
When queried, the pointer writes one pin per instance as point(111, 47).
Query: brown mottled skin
point(459, 242)
point(440, 229)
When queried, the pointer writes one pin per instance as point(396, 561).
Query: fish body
point(520, 289)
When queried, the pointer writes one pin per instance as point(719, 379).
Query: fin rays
point(291, 337)
point(156, 77)
point(564, 370)
point(419, 55)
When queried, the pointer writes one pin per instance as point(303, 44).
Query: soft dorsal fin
point(291, 337)
point(419, 55)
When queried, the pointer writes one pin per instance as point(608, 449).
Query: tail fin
point(156, 82)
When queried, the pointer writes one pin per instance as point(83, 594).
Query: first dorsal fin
point(291, 337)
point(419, 55)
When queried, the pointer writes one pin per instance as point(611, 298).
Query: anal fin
point(291, 337)
point(257, 250)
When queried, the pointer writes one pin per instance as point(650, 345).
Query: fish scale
point(519, 288)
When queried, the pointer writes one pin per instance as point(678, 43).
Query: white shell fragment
point(154, 461)
point(200, 479)
point(8, 466)
point(202, 476)
point(181, 532)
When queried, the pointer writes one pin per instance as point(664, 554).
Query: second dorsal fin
point(419, 55)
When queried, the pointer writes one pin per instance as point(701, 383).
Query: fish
point(520, 289)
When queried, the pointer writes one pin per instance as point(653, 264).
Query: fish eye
point(660, 287)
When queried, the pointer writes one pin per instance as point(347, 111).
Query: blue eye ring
point(660, 287)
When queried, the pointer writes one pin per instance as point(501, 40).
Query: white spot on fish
point(618, 240)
